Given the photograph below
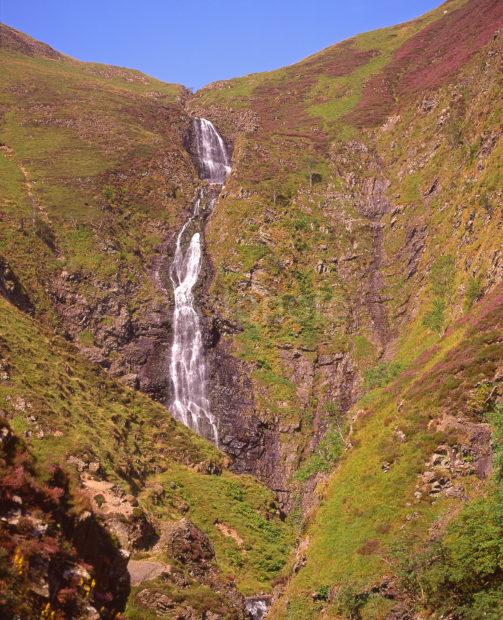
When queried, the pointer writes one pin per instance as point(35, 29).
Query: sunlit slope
point(85, 152)
point(71, 413)
point(418, 455)
point(342, 244)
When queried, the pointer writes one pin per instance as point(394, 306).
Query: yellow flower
point(19, 562)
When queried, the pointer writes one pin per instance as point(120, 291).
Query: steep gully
point(188, 370)
point(219, 404)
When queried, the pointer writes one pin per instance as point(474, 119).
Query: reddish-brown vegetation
point(48, 562)
point(287, 135)
point(336, 61)
point(16, 41)
point(470, 366)
point(282, 105)
point(430, 58)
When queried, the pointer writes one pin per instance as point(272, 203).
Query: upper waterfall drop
point(190, 404)
point(211, 152)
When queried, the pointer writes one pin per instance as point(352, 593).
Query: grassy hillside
point(94, 178)
point(382, 539)
point(73, 415)
point(366, 198)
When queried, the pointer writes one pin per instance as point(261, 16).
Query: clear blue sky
point(194, 42)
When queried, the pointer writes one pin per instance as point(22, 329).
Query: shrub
point(473, 292)
point(479, 400)
point(441, 280)
point(323, 593)
point(99, 499)
point(468, 559)
point(349, 601)
point(487, 605)
point(235, 492)
point(333, 410)
point(435, 318)
point(109, 193)
point(382, 374)
point(462, 574)
point(325, 455)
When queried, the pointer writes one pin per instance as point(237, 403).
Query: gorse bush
point(382, 374)
point(441, 281)
point(325, 455)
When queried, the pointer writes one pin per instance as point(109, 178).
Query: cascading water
point(214, 164)
point(188, 370)
point(257, 606)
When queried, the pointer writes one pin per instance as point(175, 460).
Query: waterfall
point(212, 154)
point(188, 371)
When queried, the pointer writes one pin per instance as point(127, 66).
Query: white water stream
point(188, 370)
point(211, 152)
point(258, 606)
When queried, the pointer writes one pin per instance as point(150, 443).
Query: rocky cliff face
point(52, 560)
point(329, 276)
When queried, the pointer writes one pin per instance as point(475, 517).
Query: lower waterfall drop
point(188, 371)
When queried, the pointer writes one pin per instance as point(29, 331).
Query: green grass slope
point(383, 540)
point(70, 411)
point(85, 150)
